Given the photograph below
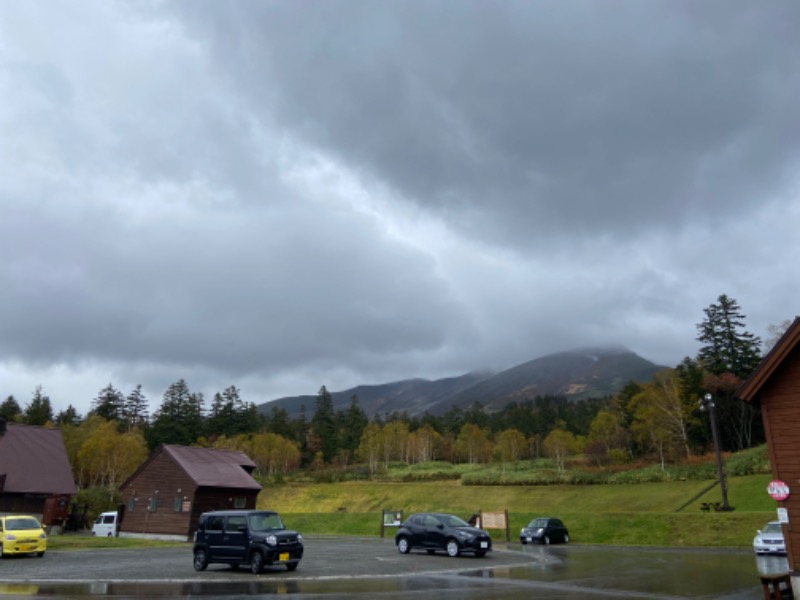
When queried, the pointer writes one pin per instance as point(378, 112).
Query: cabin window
point(239, 502)
point(153, 503)
point(178, 503)
point(131, 504)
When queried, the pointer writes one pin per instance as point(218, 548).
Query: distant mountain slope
point(578, 374)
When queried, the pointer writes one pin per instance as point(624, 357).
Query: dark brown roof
point(34, 461)
point(749, 390)
point(214, 468)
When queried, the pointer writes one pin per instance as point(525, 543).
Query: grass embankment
point(84, 541)
point(646, 514)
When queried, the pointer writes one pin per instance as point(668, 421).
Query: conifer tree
point(136, 408)
point(323, 425)
point(727, 347)
point(109, 404)
point(39, 411)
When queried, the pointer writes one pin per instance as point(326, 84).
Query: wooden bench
point(771, 584)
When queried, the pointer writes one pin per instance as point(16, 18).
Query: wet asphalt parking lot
point(338, 568)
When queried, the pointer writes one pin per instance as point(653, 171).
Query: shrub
point(754, 461)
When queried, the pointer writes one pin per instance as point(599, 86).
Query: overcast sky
point(285, 195)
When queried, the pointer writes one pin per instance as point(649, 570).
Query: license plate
point(484, 544)
point(283, 556)
point(530, 539)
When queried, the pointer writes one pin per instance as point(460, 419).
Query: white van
point(105, 525)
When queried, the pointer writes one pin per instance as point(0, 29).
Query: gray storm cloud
point(285, 195)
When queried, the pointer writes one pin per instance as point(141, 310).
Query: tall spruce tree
point(136, 408)
point(39, 411)
point(352, 423)
point(729, 355)
point(109, 404)
point(323, 425)
point(179, 420)
point(727, 346)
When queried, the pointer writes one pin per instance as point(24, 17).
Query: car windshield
point(538, 523)
point(773, 528)
point(20, 523)
point(265, 522)
point(453, 521)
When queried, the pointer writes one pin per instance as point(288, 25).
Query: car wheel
point(566, 538)
point(452, 548)
point(546, 540)
point(480, 553)
point(291, 566)
point(200, 560)
point(403, 546)
point(256, 563)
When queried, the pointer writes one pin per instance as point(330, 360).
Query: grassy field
point(641, 507)
point(651, 514)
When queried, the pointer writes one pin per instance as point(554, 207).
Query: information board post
point(495, 520)
point(391, 518)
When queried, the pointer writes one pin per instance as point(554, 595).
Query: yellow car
point(21, 534)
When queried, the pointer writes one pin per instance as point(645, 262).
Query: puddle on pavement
point(572, 571)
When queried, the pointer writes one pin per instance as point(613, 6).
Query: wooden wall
point(163, 479)
point(780, 406)
point(32, 504)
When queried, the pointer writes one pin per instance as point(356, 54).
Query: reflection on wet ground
point(566, 572)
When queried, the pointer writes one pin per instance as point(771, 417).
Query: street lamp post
point(707, 403)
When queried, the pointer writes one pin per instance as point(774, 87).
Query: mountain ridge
point(589, 372)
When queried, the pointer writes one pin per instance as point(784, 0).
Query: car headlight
point(43, 536)
point(540, 531)
point(272, 540)
point(464, 535)
point(10, 537)
point(300, 537)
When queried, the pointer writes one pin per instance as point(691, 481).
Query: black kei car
point(544, 530)
point(437, 531)
point(256, 538)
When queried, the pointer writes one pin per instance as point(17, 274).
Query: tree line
point(660, 420)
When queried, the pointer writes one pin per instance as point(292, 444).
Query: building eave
point(751, 388)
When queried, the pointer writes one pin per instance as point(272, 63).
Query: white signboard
point(783, 515)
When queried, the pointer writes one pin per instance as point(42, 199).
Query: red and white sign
point(778, 490)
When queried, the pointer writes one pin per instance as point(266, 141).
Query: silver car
point(770, 539)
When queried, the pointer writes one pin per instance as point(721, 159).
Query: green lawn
point(631, 514)
point(645, 514)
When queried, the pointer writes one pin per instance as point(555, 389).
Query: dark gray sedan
point(437, 531)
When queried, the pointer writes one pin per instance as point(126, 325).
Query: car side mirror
point(439, 526)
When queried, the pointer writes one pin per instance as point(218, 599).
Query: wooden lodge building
point(775, 384)
point(165, 496)
point(35, 475)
